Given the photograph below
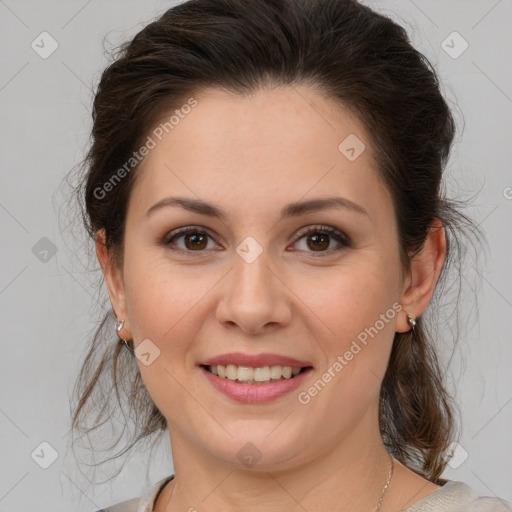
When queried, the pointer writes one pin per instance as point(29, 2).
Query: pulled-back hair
point(359, 58)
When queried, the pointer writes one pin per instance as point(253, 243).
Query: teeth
point(231, 371)
point(251, 375)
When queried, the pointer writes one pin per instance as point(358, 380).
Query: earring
point(119, 326)
point(412, 322)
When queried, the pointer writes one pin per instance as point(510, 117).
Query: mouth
point(255, 375)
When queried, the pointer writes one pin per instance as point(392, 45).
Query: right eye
point(194, 240)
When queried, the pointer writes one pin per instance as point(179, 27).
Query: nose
point(254, 298)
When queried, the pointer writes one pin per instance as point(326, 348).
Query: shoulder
point(457, 496)
point(125, 506)
point(142, 503)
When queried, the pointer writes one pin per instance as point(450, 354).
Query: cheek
point(356, 353)
point(351, 296)
point(355, 308)
point(168, 305)
point(164, 305)
point(160, 295)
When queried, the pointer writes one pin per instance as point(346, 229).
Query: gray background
point(48, 303)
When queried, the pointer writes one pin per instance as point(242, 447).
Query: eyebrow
point(290, 210)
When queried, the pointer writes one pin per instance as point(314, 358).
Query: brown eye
point(318, 241)
point(194, 240)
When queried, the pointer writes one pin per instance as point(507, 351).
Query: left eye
point(318, 239)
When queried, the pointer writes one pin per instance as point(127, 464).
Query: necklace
point(377, 508)
point(386, 487)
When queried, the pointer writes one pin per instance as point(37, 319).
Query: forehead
point(280, 144)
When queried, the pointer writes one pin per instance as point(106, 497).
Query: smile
point(249, 390)
point(250, 375)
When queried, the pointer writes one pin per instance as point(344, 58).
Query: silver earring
point(412, 322)
point(119, 326)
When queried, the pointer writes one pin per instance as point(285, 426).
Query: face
point(319, 285)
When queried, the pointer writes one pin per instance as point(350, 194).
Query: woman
point(264, 192)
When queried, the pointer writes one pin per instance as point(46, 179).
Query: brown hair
point(355, 56)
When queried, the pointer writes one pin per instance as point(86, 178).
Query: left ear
point(424, 273)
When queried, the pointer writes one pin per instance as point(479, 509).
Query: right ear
point(114, 280)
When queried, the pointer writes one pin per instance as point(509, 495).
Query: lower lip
point(255, 393)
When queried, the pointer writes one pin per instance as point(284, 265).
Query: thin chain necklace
point(386, 487)
point(377, 508)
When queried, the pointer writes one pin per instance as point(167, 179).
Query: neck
point(346, 476)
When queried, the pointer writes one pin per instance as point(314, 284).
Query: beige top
point(453, 496)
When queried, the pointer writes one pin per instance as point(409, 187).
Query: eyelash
point(339, 236)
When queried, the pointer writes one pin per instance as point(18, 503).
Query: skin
point(251, 156)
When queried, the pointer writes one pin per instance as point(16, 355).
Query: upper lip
point(255, 361)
